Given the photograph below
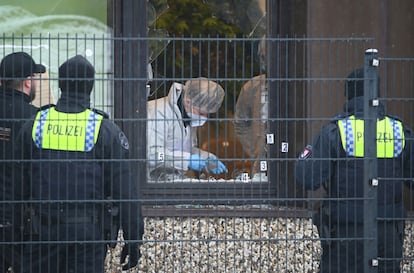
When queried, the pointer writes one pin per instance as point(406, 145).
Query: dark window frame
point(120, 15)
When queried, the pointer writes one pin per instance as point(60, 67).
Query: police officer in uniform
point(77, 160)
point(19, 82)
point(335, 161)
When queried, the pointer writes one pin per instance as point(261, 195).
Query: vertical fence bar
point(370, 160)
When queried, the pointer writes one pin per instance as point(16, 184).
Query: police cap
point(19, 65)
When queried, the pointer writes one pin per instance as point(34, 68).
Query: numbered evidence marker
point(160, 157)
point(284, 148)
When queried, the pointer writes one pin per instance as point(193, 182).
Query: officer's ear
point(27, 83)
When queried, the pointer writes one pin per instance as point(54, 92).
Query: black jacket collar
point(16, 94)
point(73, 104)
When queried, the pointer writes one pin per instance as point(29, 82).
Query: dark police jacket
point(15, 109)
point(326, 163)
point(77, 183)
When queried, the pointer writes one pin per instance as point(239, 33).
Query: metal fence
point(255, 217)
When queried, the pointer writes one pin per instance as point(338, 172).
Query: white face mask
point(197, 120)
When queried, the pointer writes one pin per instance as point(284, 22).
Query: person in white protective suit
point(171, 130)
point(251, 114)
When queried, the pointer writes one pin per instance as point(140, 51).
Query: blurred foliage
point(194, 18)
point(247, 15)
point(203, 45)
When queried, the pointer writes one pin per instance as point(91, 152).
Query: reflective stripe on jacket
point(390, 137)
point(66, 131)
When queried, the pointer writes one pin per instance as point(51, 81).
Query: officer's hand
point(216, 166)
point(197, 163)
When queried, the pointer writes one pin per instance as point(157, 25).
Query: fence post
point(129, 22)
point(371, 103)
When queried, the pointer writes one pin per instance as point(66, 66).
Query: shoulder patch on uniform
point(306, 152)
point(124, 140)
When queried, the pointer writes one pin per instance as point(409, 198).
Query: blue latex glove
point(215, 166)
point(197, 163)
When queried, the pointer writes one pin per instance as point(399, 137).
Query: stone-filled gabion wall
point(408, 263)
point(201, 244)
point(229, 245)
point(233, 245)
